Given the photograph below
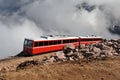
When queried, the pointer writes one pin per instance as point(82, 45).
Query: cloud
point(74, 16)
point(13, 34)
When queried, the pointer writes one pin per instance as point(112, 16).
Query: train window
point(59, 41)
point(94, 39)
point(25, 43)
point(68, 41)
point(55, 42)
point(46, 43)
point(75, 40)
point(91, 39)
point(64, 41)
point(71, 41)
point(83, 40)
point(51, 43)
point(88, 40)
point(28, 43)
point(40, 43)
point(36, 44)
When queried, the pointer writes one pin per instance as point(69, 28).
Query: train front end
point(28, 47)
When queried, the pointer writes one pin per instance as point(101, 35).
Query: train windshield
point(28, 43)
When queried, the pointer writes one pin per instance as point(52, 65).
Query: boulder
point(118, 41)
point(113, 40)
point(107, 53)
point(26, 63)
point(99, 45)
point(96, 55)
point(82, 46)
point(115, 46)
point(51, 60)
point(60, 55)
point(80, 56)
point(103, 56)
point(69, 54)
point(71, 46)
point(67, 50)
point(84, 50)
point(77, 55)
point(96, 50)
point(71, 59)
point(115, 54)
point(88, 54)
point(110, 44)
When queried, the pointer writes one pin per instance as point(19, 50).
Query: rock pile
point(102, 50)
point(26, 63)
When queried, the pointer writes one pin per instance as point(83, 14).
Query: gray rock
point(82, 46)
point(118, 41)
point(115, 54)
point(84, 50)
point(88, 54)
point(71, 59)
point(96, 50)
point(99, 45)
point(80, 56)
point(110, 44)
point(96, 55)
point(60, 55)
point(71, 46)
point(69, 54)
point(26, 63)
point(103, 56)
point(107, 53)
point(52, 59)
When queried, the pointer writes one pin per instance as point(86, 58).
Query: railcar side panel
point(50, 48)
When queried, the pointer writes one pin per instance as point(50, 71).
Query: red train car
point(54, 43)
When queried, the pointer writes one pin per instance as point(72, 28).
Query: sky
point(20, 19)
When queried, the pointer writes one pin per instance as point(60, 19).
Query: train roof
point(51, 37)
point(92, 36)
point(59, 37)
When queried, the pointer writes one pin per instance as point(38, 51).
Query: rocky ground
point(99, 61)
